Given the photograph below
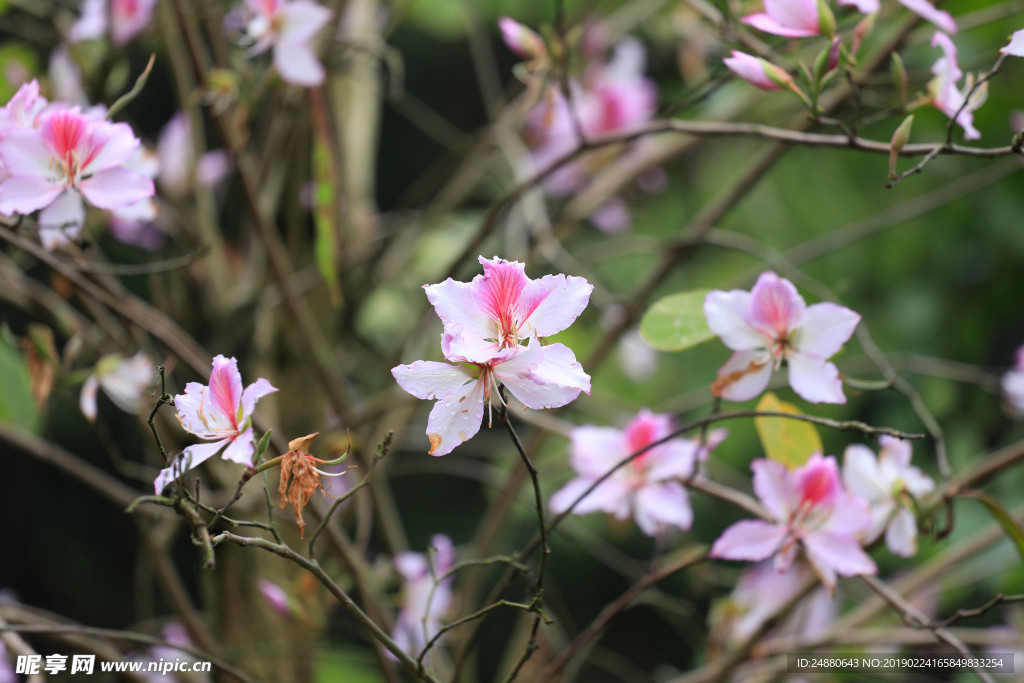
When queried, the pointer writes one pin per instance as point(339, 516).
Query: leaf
point(17, 404)
point(791, 442)
point(677, 322)
point(1005, 519)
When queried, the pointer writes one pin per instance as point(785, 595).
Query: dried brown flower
point(299, 478)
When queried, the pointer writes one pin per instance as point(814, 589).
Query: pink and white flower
point(221, 413)
point(769, 324)
point(648, 488)
point(884, 482)
point(790, 18)
point(502, 307)
point(126, 381)
point(540, 377)
point(426, 597)
point(1013, 383)
point(288, 26)
point(124, 18)
point(946, 95)
point(71, 155)
point(810, 511)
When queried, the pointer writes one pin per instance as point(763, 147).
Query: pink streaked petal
point(928, 12)
point(595, 450)
point(192, 457)
point(253, 393)
point(611, 496)
point(455, 304)
point(824, 329)
point(815, 380)
point(428, 379)
point(301, 20)
point(116, 187)
point(61, 222)
point(24, 153)
point(548, 378)
point(901, 536)
point(749, 540)
point(498, 290)
point(726, 313)
point(818, 481)
point(456, 417)
point(744, 376)
point(226, 388)
point(87, 401)
point(776, 308)
point(241, 449)
point(25, 194)
point(554, 302)
point(298, 64)
point(838, 552)
point(775, 487)
point(763, 22)
point(1015, 47)
point(663, 505)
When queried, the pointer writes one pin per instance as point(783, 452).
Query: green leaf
point(261, 445)
point(677, 322)
point(791, 442)
point(1001, 515)
point(17, 405)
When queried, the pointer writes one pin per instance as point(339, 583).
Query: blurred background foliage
point(933, 265)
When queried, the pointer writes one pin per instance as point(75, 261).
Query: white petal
point(861, 475)
point(192, 457)
point(595, 450)
point(815, 380)
point(726, 313)
point(548, 378)
point(775, 487)
point(61, 221)
point(824, 329)
point(301, 19)
point(428, 379)
point(839, 553)
point(749, 540)
point(1016, 45)
point(901, 536)
point(87, 400)
point(456, 306)
point(116, 187)
point(612, 496)
point(928, 12)
point(663, 505)
point(241, 449)
point(456, 417)
point(298, 64)
point(744, 376)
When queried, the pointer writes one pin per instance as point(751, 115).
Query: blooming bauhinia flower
point(1013, 383)
point(125, 380)
point(426, 597)
point(70, 155)
point(946, 95)
point(648, 487)
point(124, 18)
point(884, 483)
point(771, 323)
point(220, 412)
point(540, 377)
point(503, 307)
point(810, 510)
point(288, 26)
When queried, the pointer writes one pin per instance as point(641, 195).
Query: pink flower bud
point(758, 72)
